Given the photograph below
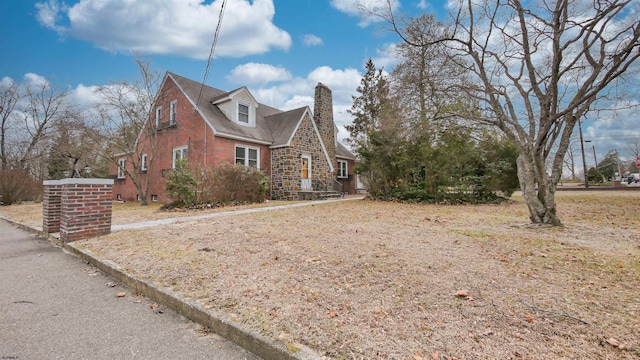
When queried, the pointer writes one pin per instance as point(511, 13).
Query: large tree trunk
point(541, 200)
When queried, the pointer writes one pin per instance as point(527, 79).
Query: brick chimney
point(323, 115)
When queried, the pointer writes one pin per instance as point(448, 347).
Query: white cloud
point(7, 81)
point(423, 5)
point(386, 57)
point(85, 96)
point(365, 9)
point(309, 40)
point(299, 92)
point(176, 27)
point(252, 73)
point(35, 80)
point(49, 13)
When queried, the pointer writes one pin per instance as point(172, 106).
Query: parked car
point(633, 178)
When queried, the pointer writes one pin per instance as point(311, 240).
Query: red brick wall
point(348, 184)
point(80, 207)
point(51, 206)
point(191, 131)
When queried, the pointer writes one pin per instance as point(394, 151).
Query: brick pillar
point(86, 208)
point(51, 206)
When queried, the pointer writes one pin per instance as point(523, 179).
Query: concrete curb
point(222, 325)
point(248, 339)
point(26, 228)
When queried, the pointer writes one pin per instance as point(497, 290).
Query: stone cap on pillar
point(78, 181)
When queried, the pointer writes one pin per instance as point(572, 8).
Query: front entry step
point(318, 195)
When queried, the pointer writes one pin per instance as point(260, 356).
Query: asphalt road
point(53, 306)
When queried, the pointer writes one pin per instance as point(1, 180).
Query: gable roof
point(273, 127)
point(343, 152)
point(229, 95)
point(217, 120)
point(283, 125)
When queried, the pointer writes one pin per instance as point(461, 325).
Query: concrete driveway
point(53, 306)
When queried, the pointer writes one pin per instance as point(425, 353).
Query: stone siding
point(323, 115)
point(286, 162)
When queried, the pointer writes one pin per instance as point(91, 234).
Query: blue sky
point(280, 49)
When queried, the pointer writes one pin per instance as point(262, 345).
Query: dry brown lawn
point(30, 213)
point(379, 280)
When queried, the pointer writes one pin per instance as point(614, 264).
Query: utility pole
point(584, 163)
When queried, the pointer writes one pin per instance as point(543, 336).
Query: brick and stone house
point(298, 149)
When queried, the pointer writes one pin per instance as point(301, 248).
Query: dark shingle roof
point(343, 152)
point(273, 126)
point(217, 119)
point(282, 125)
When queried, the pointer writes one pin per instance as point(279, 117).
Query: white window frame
point(248, 114)
point(154, 198)
point(182, 150)
point(122, 163)
point(343, 174)
point(246, 159)
point(158, 115)
point(173, 112)
point(143, 162)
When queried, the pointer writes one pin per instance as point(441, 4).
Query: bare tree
point(29, 115)
point(74, 151)
point(570, 159)
point(538, 67)
point(124, 110)
point(9, 97)
point(425, 83)
point(634, 152)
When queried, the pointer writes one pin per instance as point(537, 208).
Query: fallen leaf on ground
point(418, 356)
point(613, 342)
point(435, 356)
point(332, 314)
point(121, 294)
point(462, 294)
point(110, 284)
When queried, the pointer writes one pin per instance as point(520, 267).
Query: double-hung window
point(143, 163)
point(243, 113)
point(173, 110)
point(342, 169)
point(158, 115)
point(247, 156)
point(179, 153)
point(121, 166)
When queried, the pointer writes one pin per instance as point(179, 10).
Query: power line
point(213, 48)
point(614, 137)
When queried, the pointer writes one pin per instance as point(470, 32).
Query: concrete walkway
point(146, 224)
point(54, 306)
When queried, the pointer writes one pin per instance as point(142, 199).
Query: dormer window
point(243, 113)
point(239, 106)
